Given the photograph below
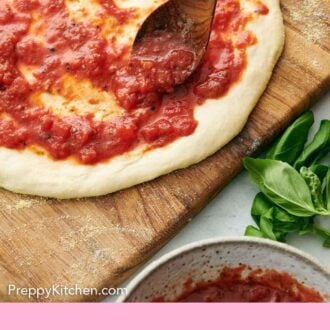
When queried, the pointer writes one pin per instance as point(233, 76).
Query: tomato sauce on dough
point(258, 286)
point(156, 112)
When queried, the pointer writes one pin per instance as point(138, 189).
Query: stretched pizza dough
point(219, 122)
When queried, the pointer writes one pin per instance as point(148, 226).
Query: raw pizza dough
point(219, 121)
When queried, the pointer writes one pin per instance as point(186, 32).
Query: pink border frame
point(167, 317)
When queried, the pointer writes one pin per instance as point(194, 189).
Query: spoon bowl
point(190, 20)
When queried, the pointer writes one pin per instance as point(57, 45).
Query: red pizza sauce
point(160, 61)
point(156, 112)
point(233, 285)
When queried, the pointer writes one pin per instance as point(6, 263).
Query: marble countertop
point(229, 213)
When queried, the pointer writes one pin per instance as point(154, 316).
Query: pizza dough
point(219, 121)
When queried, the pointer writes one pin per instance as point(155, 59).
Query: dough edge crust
point(219, 122)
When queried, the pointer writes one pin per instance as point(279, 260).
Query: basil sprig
point(291, 144)
point(317, 149)
point(283, 185)
point(294, 184)
point(279, 222)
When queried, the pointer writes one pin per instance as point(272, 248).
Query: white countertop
point(229, 213)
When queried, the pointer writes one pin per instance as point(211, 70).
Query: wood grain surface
point(100, 242)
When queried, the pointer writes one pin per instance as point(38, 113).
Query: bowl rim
point(282, 247)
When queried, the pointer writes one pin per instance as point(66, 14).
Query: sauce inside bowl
point(242, 284)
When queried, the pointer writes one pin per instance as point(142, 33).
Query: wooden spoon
point(190, 19)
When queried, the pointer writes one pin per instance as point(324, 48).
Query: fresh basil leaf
point(266, 225)
point(315, 187)
point(299, 225)
point(282, 184)
point(283, 216)
point(292, 142)
point(305, 232)
point(253, 232)
point(307, 226)
point(260, 206)
point(320, 170)
point(326, 243)
point(283, 222)
point(324, 233)
point(323, 153)
point(317, 148)
point(327, 191)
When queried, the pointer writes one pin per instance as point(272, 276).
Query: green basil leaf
point(327, 191)
point(253, 232)
point(283, 216)
point(326, 243)
point(305, 232)
point(315, 187)
point(282, 184)
point(323, 153)
point(266, 225)
point(319, 146)
point(324, 233)
point(283, 222)
point(292, 142)
point(298, 225)
point(307, 226)
point(260, 206)
point(320, 170)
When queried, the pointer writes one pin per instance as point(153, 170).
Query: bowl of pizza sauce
point(232, 270)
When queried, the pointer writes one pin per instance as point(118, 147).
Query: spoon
point(191, 20)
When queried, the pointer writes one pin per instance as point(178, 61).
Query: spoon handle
point(200, 14)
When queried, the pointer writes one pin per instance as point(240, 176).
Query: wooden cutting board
point(100, 242)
